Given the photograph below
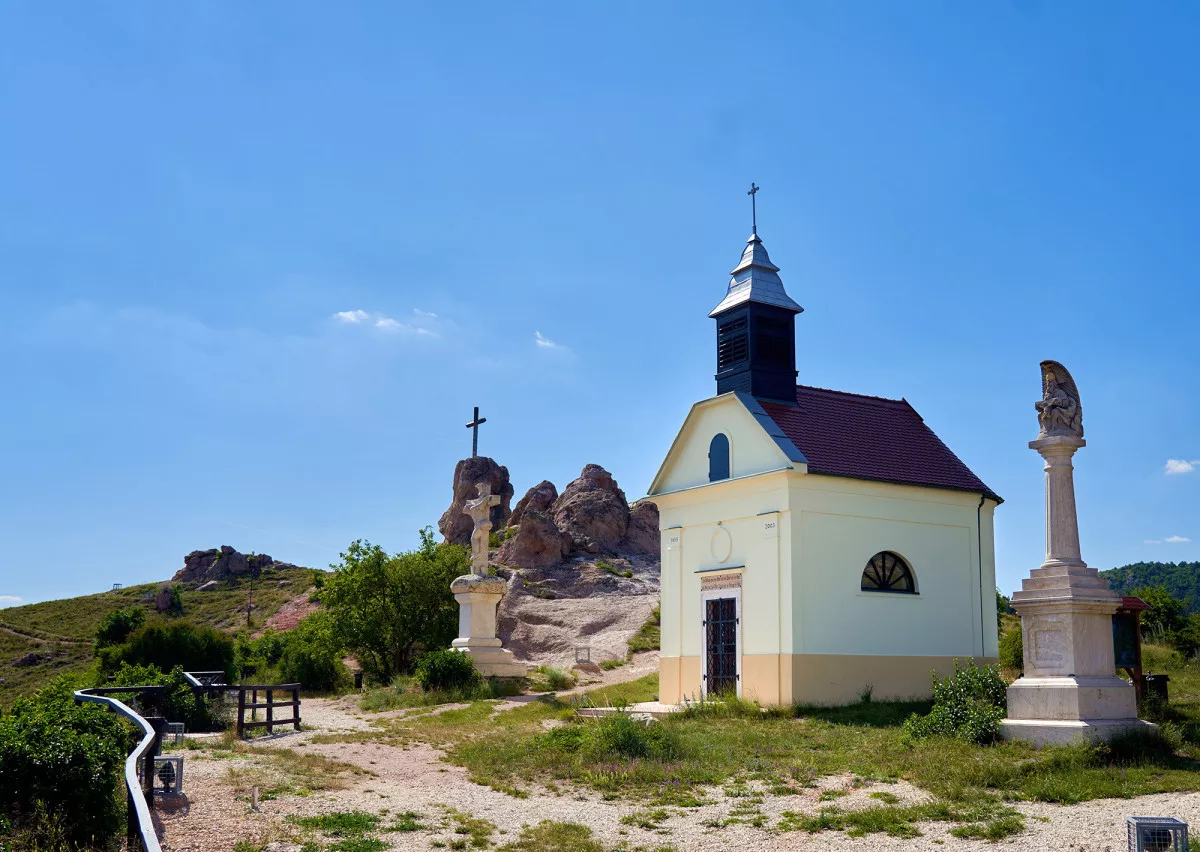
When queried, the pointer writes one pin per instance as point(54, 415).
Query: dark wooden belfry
point(756, 328)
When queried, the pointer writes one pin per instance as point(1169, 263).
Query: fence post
point(296, 709)
point(270, 712)
point(241, 723)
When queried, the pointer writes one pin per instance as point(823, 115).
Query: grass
point(548, 836)
point(605, 565)
point(276, 771)
point(609, 665)
point(649, 635)
point(550, 679)
point(620, 694)
point(406, 693)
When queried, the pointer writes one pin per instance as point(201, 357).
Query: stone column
point(1070, 691)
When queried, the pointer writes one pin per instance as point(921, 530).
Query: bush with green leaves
point(180, 702)
point(446, 670)
point(167, 644)
point(1012, 652)
point(967, 705)
point(388, 610)
point(117, 625)
point(311, 655)
point(60, 766)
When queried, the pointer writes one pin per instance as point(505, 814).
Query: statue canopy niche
point(1059, 411)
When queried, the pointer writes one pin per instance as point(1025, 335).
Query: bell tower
point(756, 328)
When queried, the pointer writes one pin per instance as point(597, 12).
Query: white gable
point(756, 444)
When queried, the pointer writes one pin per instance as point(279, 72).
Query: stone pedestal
point(1070, 691)
point(477, 599)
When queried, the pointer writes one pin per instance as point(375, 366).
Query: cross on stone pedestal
point(474, 425)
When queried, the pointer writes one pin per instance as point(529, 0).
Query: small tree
point(167, 644)
point(311, 655)
point(1167, 613)
point(386, 609)
point(117, 625)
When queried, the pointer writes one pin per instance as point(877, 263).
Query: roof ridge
point(901, 401)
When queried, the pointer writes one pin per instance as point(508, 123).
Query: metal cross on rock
point(474, 427)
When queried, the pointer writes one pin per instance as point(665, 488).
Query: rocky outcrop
point(224, 563)
point(164, 598)
point(456, 526)
point(642, 535)
point(593, 511)
point(539, 498)
point(537, 542)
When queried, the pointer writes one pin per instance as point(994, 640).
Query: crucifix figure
point(753, 191)
point(474, 427)
point(480, 510)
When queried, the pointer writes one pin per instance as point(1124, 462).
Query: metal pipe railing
point(137, 796)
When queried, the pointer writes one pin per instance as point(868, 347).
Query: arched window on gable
point(887, 572)
point(718, 458)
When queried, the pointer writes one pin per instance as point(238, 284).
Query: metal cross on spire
point(753, 191)
point(474, 425)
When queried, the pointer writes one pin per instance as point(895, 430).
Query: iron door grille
point(721, 633)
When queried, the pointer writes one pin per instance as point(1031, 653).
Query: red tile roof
point(868, 437)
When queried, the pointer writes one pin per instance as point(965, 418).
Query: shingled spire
point(756, 329)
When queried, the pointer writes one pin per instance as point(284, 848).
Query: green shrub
point(117, 625)
point(549, 678)
point(1012, 654)
point(616, 737)
point(649, 635)
point(967, 705)
point(180, 703)
point(446, 670)
point(60, 764)
point(167, 644)
point(311, 656)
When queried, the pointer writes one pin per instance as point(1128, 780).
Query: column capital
point(1057, 446)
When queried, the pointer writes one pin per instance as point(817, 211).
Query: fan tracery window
point(887, 572)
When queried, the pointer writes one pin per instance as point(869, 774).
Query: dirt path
point(416, 778)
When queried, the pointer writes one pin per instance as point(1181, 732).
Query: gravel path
point(417, 779)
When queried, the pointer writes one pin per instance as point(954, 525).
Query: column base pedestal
point(1052, 732)
point(492, 661)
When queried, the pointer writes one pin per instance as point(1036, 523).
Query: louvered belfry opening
point(720, 625)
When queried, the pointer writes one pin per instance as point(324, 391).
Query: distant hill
point(39, 641)
point(1181, 579)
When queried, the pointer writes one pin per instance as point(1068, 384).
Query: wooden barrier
point(254, 706)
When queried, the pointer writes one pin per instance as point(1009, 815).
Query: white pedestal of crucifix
point(1070, 691)
point(478, 596)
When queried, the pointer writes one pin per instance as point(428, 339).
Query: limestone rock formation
point(539, 498)
point(162, 600)
point(456, 526)
point(642, 535)
point(201, 566)
point(538, 543)
point(593, 511)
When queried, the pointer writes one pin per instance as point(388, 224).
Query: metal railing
point(140, 824)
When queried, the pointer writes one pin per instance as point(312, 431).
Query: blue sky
point(258, 261)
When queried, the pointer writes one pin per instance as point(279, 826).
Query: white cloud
point(1176, 539)
point(352, 317)
point(423, 323)
point(545, 342)
point(10, 600)
point(1180, 466)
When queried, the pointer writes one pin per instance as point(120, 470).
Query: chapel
point(817, 545)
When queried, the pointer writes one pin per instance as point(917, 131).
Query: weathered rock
point(537, 543)
point(642, 535)
point(222, 564)
point(593, 511)
point(210, 586)
point(27, 660)
point(162, 600)
point(456, 526)
point(539, 498)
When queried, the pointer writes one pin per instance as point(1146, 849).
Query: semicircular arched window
point(718, 458)
point(887, 572)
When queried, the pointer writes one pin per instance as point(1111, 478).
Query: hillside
point(1181, 579)
point(59, 633)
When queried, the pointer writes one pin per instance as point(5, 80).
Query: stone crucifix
point(480, 510)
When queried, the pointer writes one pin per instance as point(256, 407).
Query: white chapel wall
point(839, 524)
